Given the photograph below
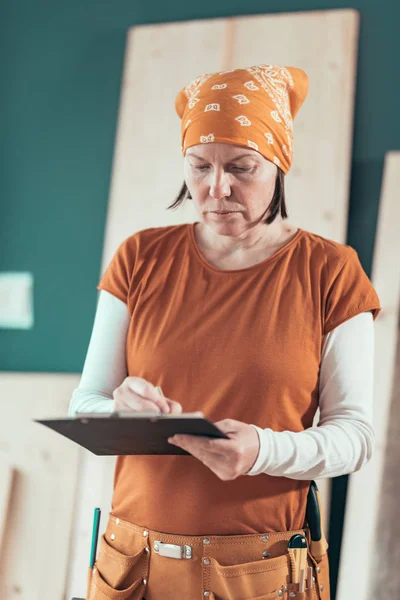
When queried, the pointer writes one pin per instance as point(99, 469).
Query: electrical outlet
point(16, 300)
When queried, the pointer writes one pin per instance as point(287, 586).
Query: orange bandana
point(252, 107)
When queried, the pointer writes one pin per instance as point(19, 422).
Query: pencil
point(302, 580)
point(309, 577)
point(95, 534)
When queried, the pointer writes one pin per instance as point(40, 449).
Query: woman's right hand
point(139, 395)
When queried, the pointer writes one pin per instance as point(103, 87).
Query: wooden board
point(34, 557)
point(148, 164)
point(386, 575)
point(6, 478)
point(359, 550)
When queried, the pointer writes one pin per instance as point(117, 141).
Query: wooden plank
point(148, 171)
point(6, 478)
point(34, 559)
point(359, 557)
point(318, 182)
point(386, 575)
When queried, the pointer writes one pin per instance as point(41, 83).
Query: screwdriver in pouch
point(297, 549)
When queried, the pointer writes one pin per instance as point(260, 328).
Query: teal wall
point(61, 67)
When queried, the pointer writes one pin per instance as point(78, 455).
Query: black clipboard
point(129, 433)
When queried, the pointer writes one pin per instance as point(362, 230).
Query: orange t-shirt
point(242, 344)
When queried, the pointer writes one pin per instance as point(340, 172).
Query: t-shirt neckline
point(277, 254)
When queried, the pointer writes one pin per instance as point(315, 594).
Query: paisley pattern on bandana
point(276, 81)
point(262, 100)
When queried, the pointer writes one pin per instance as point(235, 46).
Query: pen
point(95, 534)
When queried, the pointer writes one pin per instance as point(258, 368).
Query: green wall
point(61, 67)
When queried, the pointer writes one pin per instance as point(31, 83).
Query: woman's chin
point(222, 220)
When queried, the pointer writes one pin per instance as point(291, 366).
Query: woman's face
point(225, 177)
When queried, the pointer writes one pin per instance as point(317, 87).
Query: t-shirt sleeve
point(349, 293)
point(117, 277)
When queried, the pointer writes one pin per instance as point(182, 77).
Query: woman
point(252, 321)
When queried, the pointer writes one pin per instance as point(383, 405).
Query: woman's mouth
point(223, 214)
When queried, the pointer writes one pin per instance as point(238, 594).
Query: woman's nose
point(220, 186)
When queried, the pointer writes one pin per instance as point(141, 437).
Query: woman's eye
point(201, 168)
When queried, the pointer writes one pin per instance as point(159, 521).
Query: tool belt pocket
point(322, 576)
point(263, 579)
point(116, 575)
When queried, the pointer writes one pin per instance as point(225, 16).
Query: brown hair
point(276, 205)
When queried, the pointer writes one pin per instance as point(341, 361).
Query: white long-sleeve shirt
point(341, 443)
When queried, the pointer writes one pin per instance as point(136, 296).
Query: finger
point(147, 391)
point(227, 425)
point(140, 405)
point(195, 444)
point(200, 446)
point(175, 407)
point(201, 451)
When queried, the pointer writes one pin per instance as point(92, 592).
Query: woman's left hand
point(228, 459)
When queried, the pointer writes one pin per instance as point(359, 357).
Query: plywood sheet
point(34, 557)
point(359, 558)
point(148, 164)
point(6, 478)
point(386, 575)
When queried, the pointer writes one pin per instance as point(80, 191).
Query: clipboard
point(130, 433)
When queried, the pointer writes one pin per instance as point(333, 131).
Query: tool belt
point(135, 563)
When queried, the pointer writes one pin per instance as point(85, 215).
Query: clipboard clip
point(131, 414)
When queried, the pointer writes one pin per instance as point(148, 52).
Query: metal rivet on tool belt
point(280, 593)
point(265, 538)
point(147, 549)
point(206, 594)
point(145, 533)
point(313, 579)
point(266, 554)
point(285, 588)
point(321, 587)
point(207, 561)
point(319, 570)
point(117, 521)
point(112, 536)
point(292, 594)
point(206, 541)
point(144, 581)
